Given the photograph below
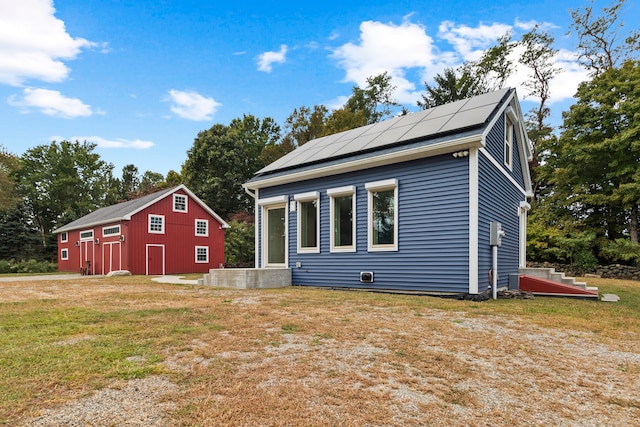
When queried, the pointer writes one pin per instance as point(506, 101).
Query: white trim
point(64, 254)
point(265, 230)
point(206, 261)
point(400, 156)
point(522, 213)
point(272, 200)
point(306, 198)
point(303, 197)
point(186, 203)
point(257, 228)
point(147, 257)
point(84, 239)
point(334, 193)
point(112, 234)
point(473, 220)
point(206, 227)
point(371, 187)
point(149, 230)
point(110, 245)
point(509, 130)
point(498, 166)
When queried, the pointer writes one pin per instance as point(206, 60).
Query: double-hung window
point(156, 224)
point(382, 234)
point(342, 211)
point(179, 203)
point(64, 254)
point(202, 227)
point(308, 207)
point(202, 254)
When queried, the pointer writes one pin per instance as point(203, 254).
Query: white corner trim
point(473, 220)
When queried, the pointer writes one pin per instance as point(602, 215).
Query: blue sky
point(141, 78)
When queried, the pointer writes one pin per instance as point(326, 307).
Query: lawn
point(126, 350)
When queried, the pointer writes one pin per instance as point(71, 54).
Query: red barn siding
point(141, 252)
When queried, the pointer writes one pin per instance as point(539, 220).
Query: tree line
point(586, 174)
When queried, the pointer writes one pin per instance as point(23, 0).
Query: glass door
point(276, 238)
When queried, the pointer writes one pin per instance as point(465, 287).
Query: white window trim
point(340, 192)
point(86, 238)
point(186, 203)
point(273, 203)
point(112, 234)
point(64, 237)
point(64, 254)
point(206, 248)
point(509, 130)
point(149, 224)
point(206, 228)
point(371, 187)
point(308, 197)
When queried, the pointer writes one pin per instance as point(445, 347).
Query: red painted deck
point(540, 286)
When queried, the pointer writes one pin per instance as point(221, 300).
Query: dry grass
point(303, 356)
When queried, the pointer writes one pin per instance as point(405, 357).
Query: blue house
point(406, 204)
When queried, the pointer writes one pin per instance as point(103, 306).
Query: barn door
point(86, 257)
point(155, 260)
point(111, 257)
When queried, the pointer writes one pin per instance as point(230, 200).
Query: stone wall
point(613, 271)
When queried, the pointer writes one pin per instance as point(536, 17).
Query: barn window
point(308, 221)
point(64, 237)
point(156, 224)
point(383, 215)
point(64, 254)
point(86, 235)
point(202, 254)
point(179, 203)
point(202, 227)
point(114, 230)
point(343, 219)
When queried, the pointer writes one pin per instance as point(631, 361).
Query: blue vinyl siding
point(499, 200)
point(433, 229)
point(495, 146)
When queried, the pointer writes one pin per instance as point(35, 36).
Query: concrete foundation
point(248, 278)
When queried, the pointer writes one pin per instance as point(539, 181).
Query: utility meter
point(496, 234)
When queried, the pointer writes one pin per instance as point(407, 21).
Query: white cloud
point(266, 59)
point(51, 103)
point(34, 43)
point(530, 25)
point(391, 48)
point(115, 143)
point(470, 42)
point(192, 106)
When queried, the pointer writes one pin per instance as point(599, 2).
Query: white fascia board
point(371, 162)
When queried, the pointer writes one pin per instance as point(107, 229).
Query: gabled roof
point(431, 128)
point(125, 210)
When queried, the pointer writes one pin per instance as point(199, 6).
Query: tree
point(597, 159)
point(538, 55)
point(375, 100)
point(304, 125)
point(173, 178)
point(222, 158)
point(495, 66)
point(61, 182)
point(8, 166)
point(130, 180)
point(451, 86)
point(151, 182)
point(599, 41)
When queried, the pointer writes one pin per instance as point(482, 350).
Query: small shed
point(407, 204)
point(167, 232)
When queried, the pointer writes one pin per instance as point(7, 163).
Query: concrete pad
point(610, 298)
point(175, 280)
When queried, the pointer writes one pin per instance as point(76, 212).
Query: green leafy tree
point(304, 125)
point(150, 182)
point(19, 239)
point(223, 157)
point(173, 178)
point(130, 180)
point(8, 166)
point(61, 182)
point(601, 45)
point(375, 101)
point(596, 164)
point(450, 86)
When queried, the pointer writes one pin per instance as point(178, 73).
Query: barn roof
point(464, 118)
point(125, 210)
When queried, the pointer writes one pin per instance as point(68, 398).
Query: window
point(383, 215)
point(179, 203)
point(86, 235)
point(64, 237)
point(64, 254)
point(510, 120)
point(156, 224)
point(111, 231)
point(202, 227)
point(202, 254)
point(343, 219)
point(308, 222)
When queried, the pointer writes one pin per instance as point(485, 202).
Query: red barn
point(168, 232)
